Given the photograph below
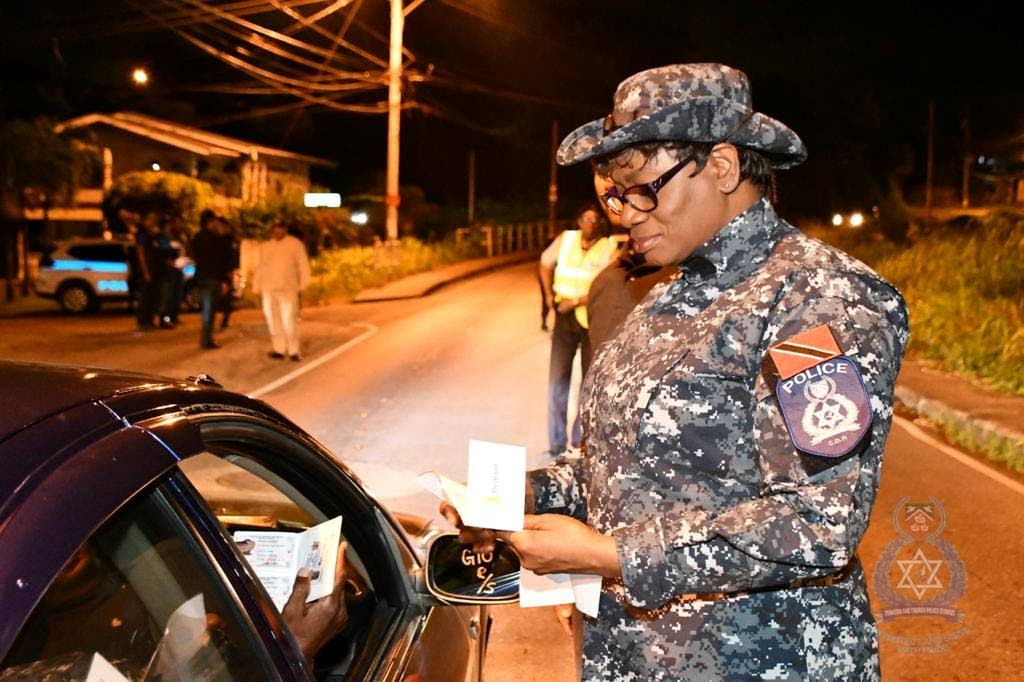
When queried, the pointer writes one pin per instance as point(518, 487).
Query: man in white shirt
point(281, 276)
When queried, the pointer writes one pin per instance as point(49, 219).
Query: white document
point(493, 496)
point(101, 670)
point(560, 588)
point(276, 558)
point(495, 486)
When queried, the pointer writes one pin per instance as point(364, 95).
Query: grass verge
point(342, 273)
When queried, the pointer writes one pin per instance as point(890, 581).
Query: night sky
point(853, 79)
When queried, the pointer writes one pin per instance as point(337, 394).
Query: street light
point(140, 76)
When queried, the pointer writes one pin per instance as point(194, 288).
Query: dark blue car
point(120, 494)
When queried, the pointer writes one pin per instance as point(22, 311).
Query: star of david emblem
point(920, 574)
point(828, 415)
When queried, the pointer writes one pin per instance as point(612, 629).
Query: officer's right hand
point(482, 539)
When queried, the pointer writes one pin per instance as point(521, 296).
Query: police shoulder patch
point(820, 393)
point(826, 408)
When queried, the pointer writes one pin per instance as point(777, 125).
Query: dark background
point(853, 79)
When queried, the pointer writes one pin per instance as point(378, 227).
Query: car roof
point(31, 392)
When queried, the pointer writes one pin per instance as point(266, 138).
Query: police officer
point(734, 427)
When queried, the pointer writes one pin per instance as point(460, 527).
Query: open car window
point(258, 478)
point(141, 596)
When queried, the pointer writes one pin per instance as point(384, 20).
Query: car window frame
point(168, 485)
point(399, 615)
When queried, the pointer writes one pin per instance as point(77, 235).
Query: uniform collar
point(737, 249)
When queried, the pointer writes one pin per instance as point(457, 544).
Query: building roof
point(195, 140)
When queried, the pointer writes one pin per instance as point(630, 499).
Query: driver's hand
point(482, 539)
point(316, 623)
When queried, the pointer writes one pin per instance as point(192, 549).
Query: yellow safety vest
point(577, 268)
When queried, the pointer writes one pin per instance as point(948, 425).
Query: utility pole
point(391, 195)
point(931, 161)
point(553, 182)
point(471, 203)
point(965, 188)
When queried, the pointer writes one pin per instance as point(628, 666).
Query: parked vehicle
point(120, 493)
point(80, 274)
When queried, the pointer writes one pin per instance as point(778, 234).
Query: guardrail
point(501, 239)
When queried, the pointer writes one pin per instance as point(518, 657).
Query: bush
point(964, 285)
point(179, 198)
point(347, 271)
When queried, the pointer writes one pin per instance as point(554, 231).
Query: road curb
point(995, 441)
point(422, 284)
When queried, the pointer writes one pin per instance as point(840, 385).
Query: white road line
point(310, 366)
point(966, 460)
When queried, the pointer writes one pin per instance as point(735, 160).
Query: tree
point(178, 198)
point(38, 169)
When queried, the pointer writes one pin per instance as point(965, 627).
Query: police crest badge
point(820, 393)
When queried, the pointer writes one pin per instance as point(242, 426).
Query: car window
point(108, 253)
point(257, 477)
point(142, 594)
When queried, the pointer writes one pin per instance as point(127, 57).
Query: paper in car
point(102, 670)
point(276, 558)
point(184, 637)
point(493, 495)
point(560, 588)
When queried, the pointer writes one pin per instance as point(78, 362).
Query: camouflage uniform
point(690, 466)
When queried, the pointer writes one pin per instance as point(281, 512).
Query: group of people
point(733, 417)
point(157, 283)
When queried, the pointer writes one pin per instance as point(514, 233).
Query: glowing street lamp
point(140, 76)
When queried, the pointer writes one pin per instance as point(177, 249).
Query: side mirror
point(456, 574)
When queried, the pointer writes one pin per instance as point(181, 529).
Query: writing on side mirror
point(457, 574)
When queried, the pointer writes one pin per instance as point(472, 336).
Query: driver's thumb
point(300, 588)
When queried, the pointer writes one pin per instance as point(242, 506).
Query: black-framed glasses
point(643, 197)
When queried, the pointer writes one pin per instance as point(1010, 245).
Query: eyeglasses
point(643, 197)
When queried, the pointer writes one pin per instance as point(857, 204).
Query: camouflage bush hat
point(687, 103)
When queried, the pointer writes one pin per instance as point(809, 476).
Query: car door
point(104, 573)
point(256, 472)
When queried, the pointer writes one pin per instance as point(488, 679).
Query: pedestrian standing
point(149, 257)
point(567, 267)
point(736, 423)
point(281, 276)
point(213, 259)
point(226, 305)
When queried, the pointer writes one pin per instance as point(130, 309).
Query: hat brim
point(690, 121)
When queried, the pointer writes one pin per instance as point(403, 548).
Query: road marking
point(966, 460)
point(310, 366)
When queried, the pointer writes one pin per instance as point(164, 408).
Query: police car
point(82, 273)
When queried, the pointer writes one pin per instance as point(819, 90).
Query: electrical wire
point(300, 79)
point(335, 39)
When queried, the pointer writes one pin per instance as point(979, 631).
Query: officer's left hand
point(553, 543)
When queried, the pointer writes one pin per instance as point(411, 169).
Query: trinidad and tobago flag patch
point(821, 393)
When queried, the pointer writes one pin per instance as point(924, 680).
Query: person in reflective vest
point(567, 267)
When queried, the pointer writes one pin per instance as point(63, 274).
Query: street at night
point(426, 375)
point(511, 340)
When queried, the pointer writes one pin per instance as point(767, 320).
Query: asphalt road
point(399, 388)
